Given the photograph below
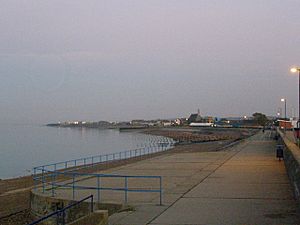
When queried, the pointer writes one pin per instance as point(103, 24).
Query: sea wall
point(42, 205)
point(292, 163)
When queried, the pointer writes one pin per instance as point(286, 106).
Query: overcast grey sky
point(119, 60)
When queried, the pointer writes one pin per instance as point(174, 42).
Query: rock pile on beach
point(192, 136)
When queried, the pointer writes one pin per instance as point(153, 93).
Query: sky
point(131, 59)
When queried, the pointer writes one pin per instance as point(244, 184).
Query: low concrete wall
point(42, 205)
point(292, 163)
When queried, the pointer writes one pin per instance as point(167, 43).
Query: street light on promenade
point(284, 100)
point(295, 70)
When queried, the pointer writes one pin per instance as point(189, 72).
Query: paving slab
point(143, 214)
point(242, 191)
point(229, 211)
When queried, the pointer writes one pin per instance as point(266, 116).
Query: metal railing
point(73, 184)
point(164, 144)
point(61, 214)
point(49, 177)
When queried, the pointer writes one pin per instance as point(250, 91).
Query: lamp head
point(283, 99)
point(295, 69)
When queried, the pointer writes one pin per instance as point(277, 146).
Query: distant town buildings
point(194, 120)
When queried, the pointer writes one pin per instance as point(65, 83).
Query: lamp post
point(295, 70)
point(284, 100)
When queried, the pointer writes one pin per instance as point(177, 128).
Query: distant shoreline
point(81, 126)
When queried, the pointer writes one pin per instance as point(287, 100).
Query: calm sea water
point(24, 146)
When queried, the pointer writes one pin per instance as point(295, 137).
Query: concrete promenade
point(245, 185)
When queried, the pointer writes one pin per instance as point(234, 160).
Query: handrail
point(53, 184)
point(102, 175)
point(103, 159)
point(47, 174)
point(62, 211)
point(168, 142)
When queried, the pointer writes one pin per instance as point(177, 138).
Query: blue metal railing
point(52, 185)
point(162, 145)
point(62, 212)
point(47, 176)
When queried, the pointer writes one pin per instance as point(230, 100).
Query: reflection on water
point(24, 146)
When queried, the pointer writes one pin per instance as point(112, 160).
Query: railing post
point(52, 183)
point(93, 161)
point(98, 188)
point(43, 179)
point(57, 218)
point(63, 217)
point(66, 164)
point(73, 186)
point(54, 177)
point(92, 203)
point(126, 190)
point(160, 190)
point(34, 178)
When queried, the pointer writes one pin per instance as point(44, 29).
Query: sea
point(23, 147)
